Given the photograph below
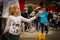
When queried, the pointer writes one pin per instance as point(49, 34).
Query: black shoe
point(46, 32)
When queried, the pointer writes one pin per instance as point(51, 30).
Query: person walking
point(43, 20)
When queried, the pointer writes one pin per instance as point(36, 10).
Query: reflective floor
point(52, 35)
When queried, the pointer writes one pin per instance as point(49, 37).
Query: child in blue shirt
point(43, 19)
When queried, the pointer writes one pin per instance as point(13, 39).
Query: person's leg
point(36, 22)
point(42, 26)
point(3, 27)
point(59, 24)
point(39, 25)
point(25, 26)
point(46, 27)
point(55, 24)
point(3, 23)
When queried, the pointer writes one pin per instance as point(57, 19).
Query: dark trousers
point(54, 24)
point(36, 22)
point(3, 23)
point(26, 25)
point(58, 24)
point(4, 37)
point(42, 28)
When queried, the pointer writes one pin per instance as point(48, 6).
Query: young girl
point(14, 22)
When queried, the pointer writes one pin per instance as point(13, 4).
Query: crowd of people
point(48, 17)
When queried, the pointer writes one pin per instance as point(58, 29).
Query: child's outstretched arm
point(29, 20)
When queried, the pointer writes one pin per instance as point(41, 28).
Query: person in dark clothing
point(50, 15)
point(25, 15)
point(36, 20)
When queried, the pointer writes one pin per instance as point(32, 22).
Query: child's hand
point(37, 15)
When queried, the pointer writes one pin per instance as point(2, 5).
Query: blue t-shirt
point(43, 17)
